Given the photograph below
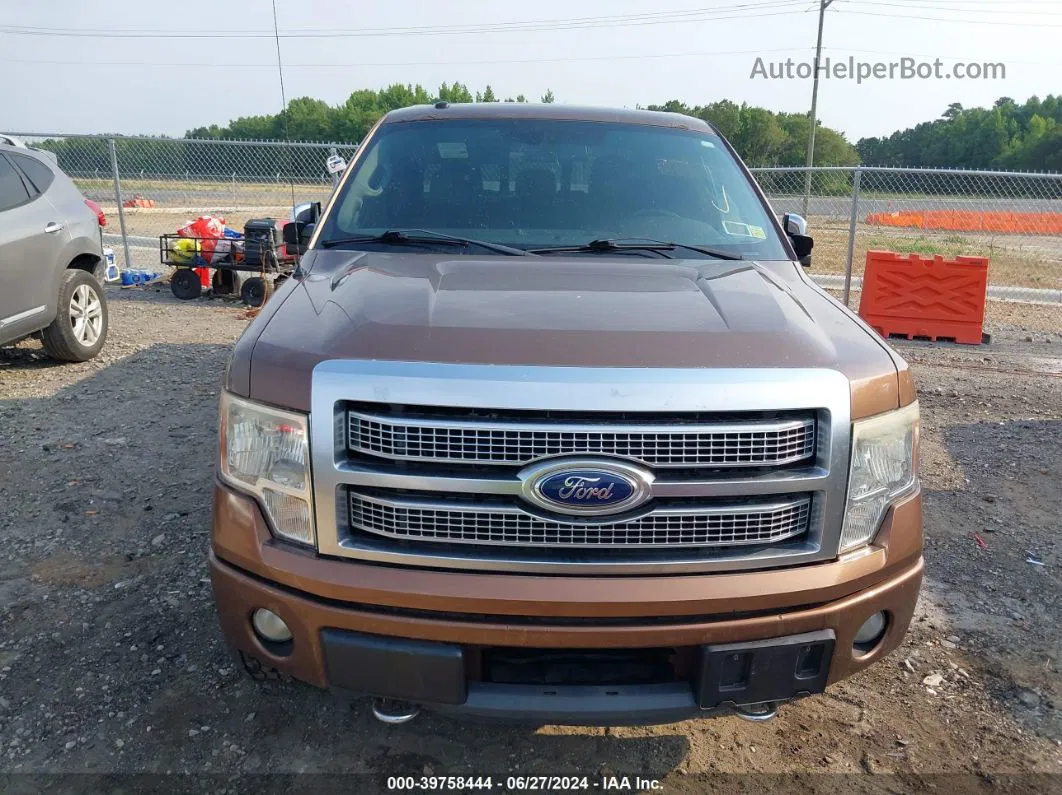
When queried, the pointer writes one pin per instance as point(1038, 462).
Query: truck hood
point(577, 312)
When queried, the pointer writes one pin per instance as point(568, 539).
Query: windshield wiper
point(638, 244)
point(414, 237)
point(606, 246)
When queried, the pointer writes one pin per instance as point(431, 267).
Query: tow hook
point(757, 712)
point(394, 712)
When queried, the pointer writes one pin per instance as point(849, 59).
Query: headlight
point(265, 452)
point(884, 469)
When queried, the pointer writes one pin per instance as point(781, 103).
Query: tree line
point(308, 119)
point(765, 138)
point(761, 137)
point(1007, 136)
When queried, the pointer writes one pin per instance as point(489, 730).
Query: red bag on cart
point(209, 229)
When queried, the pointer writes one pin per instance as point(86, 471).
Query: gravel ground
point(111, 662)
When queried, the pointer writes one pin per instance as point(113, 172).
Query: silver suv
point(51, 259)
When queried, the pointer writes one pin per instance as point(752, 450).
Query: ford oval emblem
point(586, 487)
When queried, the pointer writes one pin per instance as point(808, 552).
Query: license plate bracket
point(754, 672)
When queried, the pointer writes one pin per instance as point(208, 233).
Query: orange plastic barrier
point(908, 296)
point(138, 201)
point(999, 222)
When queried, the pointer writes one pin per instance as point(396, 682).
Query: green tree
point(1007, 135)
point(548, 97)
point(307, 119)
point(760, 138)
point(457, 92)
point(725, 115)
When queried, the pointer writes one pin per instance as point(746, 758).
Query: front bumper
point(418, 634)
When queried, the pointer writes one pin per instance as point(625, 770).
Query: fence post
point(233, 190)
point(852, 221)
point(118, 199)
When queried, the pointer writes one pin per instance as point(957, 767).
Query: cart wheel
point(225, 282)
point(256, 291)
point(185, 284)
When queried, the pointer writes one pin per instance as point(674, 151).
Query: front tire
point(80, 328)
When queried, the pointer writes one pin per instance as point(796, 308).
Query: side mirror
point(796, 228)
point(305, 213)
point(297, 235)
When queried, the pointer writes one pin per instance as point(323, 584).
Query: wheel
point(225, 282)
point(80, 328)
point(185, 284)
point(256, 291)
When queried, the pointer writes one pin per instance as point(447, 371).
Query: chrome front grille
point(761, 443)
point(440, 466)
point(672, 527)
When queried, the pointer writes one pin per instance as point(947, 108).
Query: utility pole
point(823, 5)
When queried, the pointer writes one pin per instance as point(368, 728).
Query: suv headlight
point(884, 469)
point(265, 452)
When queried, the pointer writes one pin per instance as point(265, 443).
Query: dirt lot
point(111, 662)
point(1015, 260)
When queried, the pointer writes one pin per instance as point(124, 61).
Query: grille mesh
point(766, 443)
point(508, 525)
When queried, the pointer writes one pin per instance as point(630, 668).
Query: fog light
point(270, 626)
point(870, 634)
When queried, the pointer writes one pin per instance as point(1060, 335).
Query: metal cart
point(229, 259)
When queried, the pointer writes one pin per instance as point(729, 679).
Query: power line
point(954, 19)
point(964, 58)
point(950, 4)
point(332, 65)
point(502, 61)
point(757, 9)
point(996, 10)
point(596, 19)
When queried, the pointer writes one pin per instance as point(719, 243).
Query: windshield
point(541, 184)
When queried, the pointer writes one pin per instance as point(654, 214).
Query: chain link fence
point(1014, 219)
point(151, 186)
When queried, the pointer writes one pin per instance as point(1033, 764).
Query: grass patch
point(951, 245)
point(1013, 262)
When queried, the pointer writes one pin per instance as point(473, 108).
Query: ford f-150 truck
point(550, 425)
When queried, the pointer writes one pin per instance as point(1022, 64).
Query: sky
point(117, 71)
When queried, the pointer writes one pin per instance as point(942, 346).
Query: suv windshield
point(543, 184)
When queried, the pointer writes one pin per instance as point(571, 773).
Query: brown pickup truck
point(551, 426)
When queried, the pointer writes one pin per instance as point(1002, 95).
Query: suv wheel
point(80, 328)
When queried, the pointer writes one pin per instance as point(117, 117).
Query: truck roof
point(526, 110)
